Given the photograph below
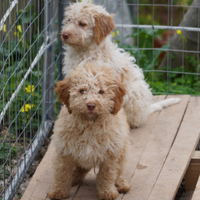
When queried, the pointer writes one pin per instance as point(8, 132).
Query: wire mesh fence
point(162, 35)
point(165, 37)
point(27, 75)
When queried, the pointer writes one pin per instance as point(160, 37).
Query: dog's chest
point(91, 147)
point(73, 58)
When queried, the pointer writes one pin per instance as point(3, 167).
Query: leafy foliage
point(16, 55)
point(22, 119)
point(163, 81)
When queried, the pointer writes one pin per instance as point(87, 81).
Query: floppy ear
point(63, 91)
point(104, 24)
point(119, 91)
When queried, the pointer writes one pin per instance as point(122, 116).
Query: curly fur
point(86, 35)
point(90, 137)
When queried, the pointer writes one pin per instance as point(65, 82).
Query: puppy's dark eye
point(101, 91)
point(69, 20)
point(82, 24)
point(82, 91)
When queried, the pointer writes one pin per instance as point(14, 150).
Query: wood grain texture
point(196, 194)
point(40, 182)
point(42, 178)
point(196, 157)
point(156, 150)
point(191, 176)
point(193, 172)
point(180, 154)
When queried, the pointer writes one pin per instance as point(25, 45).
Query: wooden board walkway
point(196, 195)
point(161, 152)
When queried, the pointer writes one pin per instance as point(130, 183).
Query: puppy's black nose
point(91, 106)
point(65, 35)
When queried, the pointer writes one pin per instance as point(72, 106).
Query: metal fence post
point(61, 5)
point(49, 56)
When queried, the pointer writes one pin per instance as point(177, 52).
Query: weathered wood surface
point(160, 154)
point(193, 172)
point(180, 154)
point(196, 194)
point(156, 151)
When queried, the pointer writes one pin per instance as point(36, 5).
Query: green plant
point(24, 115)
point(9, 149)
point(147, 58)
point(16, 55)
point(22, 119)
point(177, 81)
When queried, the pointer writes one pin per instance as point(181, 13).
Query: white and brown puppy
point(86, 37)
point(91, 131)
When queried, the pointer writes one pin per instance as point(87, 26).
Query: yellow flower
point(179, 32)
point(19, 28)
point(117, 31)
point(3, 28)
point(16, 33)
point(149, 17)
point(29, 88)
point(113, 34)
point(27, 107)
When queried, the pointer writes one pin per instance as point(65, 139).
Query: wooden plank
point(42, 178)
point(196, 194)
point(191, 176)
point(156, 150)
point(139, 138)
point(196, 157)
point(180, 154)
point(193, 172)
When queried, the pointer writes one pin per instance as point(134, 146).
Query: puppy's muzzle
point(65, 35)
point(91, 106)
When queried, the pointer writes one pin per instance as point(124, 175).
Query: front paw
point(57, 194)
point(108, 195)
point(123, 185)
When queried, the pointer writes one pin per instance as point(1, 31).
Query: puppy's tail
point(162, 104)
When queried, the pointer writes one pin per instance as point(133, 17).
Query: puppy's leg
point(79, 174)
point(63, 168)
point(106, 180)
point(121, 182)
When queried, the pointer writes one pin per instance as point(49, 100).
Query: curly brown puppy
point(86, 38)
point(91, 131)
